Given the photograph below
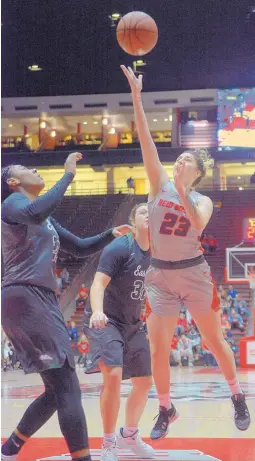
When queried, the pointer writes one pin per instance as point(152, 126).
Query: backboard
point(240, 264)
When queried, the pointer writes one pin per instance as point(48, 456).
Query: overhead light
point(240, 188)
point(53, 134)
point(166, 120)
point(85, 123)
point(43, 125)
point(170, 118)
point(34, 68)
point(115, 16)
point(95, 122)
point(27, 135)
point(105, 121)
point(11, 125)
point(238, 177)
point(112, 131)
point(155, 120)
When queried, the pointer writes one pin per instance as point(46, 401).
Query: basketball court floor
point(205, 430)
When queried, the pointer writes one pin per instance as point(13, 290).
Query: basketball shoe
point(165, 417)
point(109, 451)
point(135, 444)
point(242, 415)
point(9, 458)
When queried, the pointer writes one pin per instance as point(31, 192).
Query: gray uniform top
point(171, 234)
point(31, 238)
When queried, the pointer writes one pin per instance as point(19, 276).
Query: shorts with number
point(124, 346)
point(170, 290)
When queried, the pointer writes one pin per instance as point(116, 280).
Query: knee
point(143, 384)
point(159, 353)
point(112, 378)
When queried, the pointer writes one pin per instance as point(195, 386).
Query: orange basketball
point(137, 33)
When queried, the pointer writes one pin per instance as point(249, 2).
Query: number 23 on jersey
point(174, 224)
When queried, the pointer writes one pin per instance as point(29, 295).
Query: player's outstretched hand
point(98, 320)
point(71, 161)
point(136, 84)
point(179, 177)
point(122, 230)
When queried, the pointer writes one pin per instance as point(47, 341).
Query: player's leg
point(161, 325)
point(106, 353)
point(66, 387)
point(62, 394)
point(201, 303)
point(137, 367)
point(110, 400)
point(136, 401)
point(209, 325)
point(161, 331)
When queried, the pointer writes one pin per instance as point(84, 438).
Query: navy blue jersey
point(126, 263)
point(31, 238)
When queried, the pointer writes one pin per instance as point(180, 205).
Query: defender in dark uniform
point(118, 343)
point(31, 316)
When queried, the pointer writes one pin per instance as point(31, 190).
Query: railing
point(124, 190)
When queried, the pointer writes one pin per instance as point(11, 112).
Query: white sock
point(128, 431)
point(165, 400)
point(234, 386)
point(109, 439)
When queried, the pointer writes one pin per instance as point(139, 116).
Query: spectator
point(182, 324)
point(174, 350)
point(212, 243)
point(195, 340)
point(240, 306)
point(205, 242)
point(59, 287)
point(236, 320)
point(225, 321)
point(131, 183)
point(83, 348)
point(73, 332)
point(252, 179)
point(185, 349)
point(222, 293)
point(64, 275)
point(231, 292)
point(83, 294)
point(189, 319)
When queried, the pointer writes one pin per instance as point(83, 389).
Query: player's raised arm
point(155, 171)
point(19, 208)
point(83, 247)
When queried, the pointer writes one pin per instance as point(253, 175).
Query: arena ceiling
point(202, 44)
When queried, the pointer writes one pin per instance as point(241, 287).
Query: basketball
point(137, 33)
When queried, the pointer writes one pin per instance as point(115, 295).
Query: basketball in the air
point(137, 33)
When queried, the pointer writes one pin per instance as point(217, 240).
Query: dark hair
point(5, 189)
point(202, 156)
point(134, 210)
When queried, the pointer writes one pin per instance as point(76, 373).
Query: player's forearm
point(192, 211)
point(149, 151)
point(97, 297)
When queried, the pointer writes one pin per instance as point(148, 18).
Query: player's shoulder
point(120, 245)
point(13, 198)
point(201, 197)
